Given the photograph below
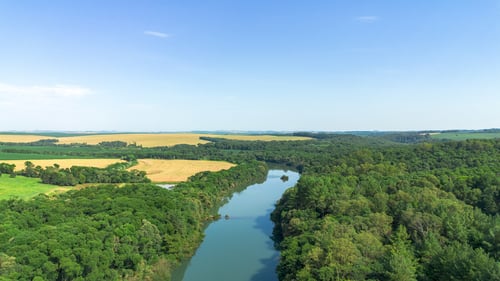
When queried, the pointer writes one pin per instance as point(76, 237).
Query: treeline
point(80, 175)
point(6, 168)
point(54, 142)
point(397, 137)
point(136, 232)
point(115, 173)
point(292, 153)
point(420, 212)
point(42, 142)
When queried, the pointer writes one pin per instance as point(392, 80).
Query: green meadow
point(24, 188)
point(458, 136)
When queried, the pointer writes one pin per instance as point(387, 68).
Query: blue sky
point(249, 65)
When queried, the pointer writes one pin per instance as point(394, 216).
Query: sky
point(332, 65)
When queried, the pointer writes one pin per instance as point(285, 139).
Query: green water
point(240, 248)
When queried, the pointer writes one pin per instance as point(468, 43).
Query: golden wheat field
point(22, 138)
point(64, 163)
point(152, 140)
point(147, 140)
point(177, 170)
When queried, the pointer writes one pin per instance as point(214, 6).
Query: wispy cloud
point(60, 90)
point(33, 107)
point(367, 19)
point(156, 34)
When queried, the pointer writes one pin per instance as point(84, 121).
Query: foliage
point(56, 175)
point(6, 168)
point(137, 232)
point(419, 212)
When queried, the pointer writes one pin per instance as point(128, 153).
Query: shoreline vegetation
point(399, 206)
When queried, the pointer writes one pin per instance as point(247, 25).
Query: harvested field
point(147, 140)
point(152, 140)
point(23, 138)
point(64, 163)
point(178, 170)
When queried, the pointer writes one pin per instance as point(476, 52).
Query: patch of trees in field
point(115, 173)
point(136, 232)
point(6, 168)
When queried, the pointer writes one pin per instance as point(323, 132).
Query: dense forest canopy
point(422, 212)
point(365, 208)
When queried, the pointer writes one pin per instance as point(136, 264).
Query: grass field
point(464, 136)
point(64, 163)
point(177, 170)
point(146, 140)
point(25, 188)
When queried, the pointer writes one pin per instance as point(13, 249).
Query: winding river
point(240, 248)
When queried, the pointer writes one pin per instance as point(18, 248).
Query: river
point(240, 248)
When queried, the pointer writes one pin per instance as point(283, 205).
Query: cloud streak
point(367, 19)
point(57, 91)
point(156, 34)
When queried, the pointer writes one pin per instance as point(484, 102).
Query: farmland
point(157, 170)
point(458, 136)
point(177, 170)
point(145, 140)
point(21, 138)
point(65, 163)
point(25, 188)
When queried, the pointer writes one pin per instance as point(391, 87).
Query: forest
point(396, 207)
point(422, 212)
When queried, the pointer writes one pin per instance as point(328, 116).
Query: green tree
point(461, 262)
point(401, 262)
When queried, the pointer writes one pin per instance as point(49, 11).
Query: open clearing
point(25, 188)
point(147, 140)
point(178, 170)
point(64, 163)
